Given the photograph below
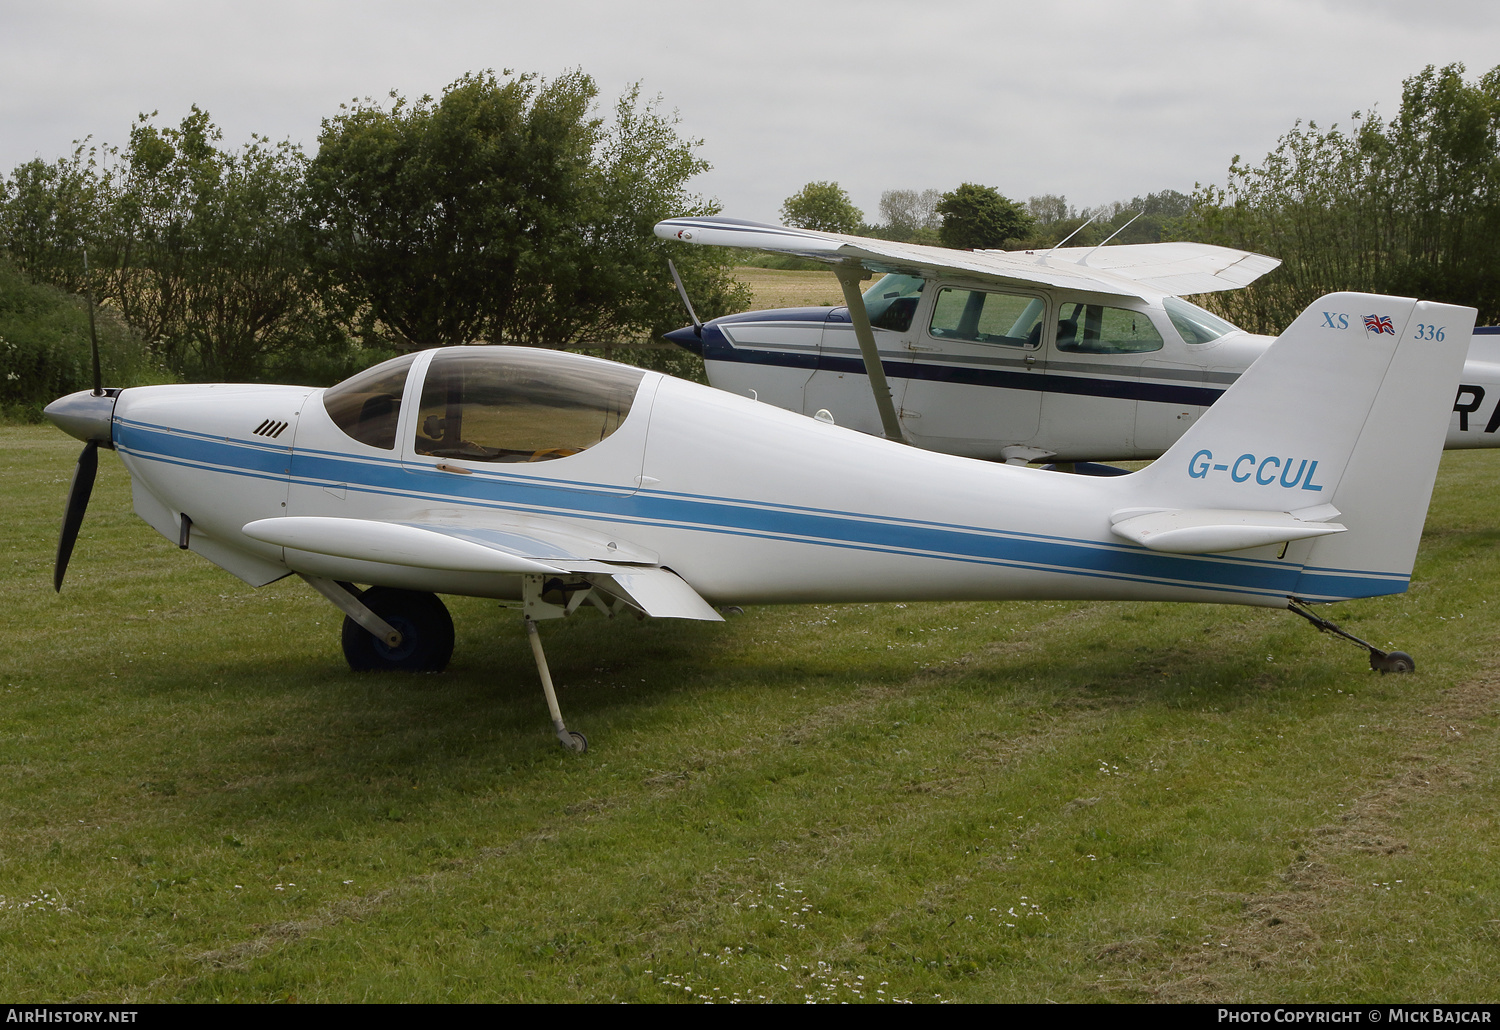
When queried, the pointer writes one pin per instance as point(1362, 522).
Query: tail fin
point(1349, 408)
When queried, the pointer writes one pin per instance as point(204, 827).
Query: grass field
point(780, 288)
point(955, 802)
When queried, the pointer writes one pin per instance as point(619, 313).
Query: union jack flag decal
point(1379, 324)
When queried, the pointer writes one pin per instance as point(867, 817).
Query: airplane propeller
point(88, 416)
point(682, 292)
point(78, 501)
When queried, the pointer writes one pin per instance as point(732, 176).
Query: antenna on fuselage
point(1085, 258)
point(1043, 255)
point(681, 292)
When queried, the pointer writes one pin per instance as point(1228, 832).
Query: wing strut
point(850, 276)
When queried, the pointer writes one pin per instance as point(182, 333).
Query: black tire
point(425, 626)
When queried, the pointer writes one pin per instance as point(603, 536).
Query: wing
point(528, 547)
point(1173, 268)
point(1130, 270)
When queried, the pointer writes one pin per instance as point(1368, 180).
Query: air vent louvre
point(270, 428)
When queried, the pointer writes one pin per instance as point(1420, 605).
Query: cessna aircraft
point(561, 481)
point(1072, 355)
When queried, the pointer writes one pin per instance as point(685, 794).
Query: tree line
point(506, 211)
point(976, 217)
point(509, 210)
point(1408, 205)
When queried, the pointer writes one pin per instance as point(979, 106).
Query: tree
point(1408, 207)
point(908, 213)
point(506, 211)
point(979, 218)
point(198, 248)
point(823, 206)
point(1048, 208)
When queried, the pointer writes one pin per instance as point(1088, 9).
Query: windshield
point(367, 405)
point(892, 301)
point(1195, 324)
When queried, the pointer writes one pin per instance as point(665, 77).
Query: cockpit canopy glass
point(892, 302)
point(367, 406)
point(516, 404)
point(1195, 324)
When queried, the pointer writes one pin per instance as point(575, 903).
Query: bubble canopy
point(491, 404)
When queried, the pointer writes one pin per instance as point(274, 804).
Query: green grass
point(965, 802)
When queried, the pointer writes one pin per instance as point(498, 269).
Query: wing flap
point(1213, 530)
point(658, 592)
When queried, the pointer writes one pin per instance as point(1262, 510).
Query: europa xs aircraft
point(1075, 354)
point(565, 481)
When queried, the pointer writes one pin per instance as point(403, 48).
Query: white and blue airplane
point(1077, 354)
point(562, 481)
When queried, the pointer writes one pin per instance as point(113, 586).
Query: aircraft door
point(839, 384)
point(974, 386)
point(1097, 373)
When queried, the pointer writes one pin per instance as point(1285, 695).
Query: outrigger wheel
point(1381, 661)
point(425, 626)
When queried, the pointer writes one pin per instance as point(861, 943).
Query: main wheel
point(425, 626)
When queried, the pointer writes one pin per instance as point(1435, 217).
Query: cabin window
point(980, 316)
point(892, 302)
point(520, 404)
point(1097, 329)
point(367, 406)
point(1194, 323)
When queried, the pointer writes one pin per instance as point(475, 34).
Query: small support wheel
point(1396, 661)
point(576, 742)
point(425, 626)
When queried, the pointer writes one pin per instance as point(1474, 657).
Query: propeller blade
point(78, 502)
point(93, 339)
point(681, 292)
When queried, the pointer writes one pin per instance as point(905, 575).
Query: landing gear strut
point(1380, 661)
point(570, 739)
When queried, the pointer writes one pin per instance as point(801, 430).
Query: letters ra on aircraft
point(1077, 354)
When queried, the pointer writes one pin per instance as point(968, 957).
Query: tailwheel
point(1381, 661)
point(425, 626)
point(577, 742)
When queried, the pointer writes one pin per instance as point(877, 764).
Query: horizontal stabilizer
point(1212, 530)
point(392, 543)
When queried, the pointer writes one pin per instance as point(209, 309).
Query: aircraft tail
point(1327, 447)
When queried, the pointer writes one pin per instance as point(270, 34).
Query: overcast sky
point(1099, 100)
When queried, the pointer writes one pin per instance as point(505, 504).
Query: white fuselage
point(745, 502)
point(1032, 403)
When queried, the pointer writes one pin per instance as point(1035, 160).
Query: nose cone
point(84, 415)
point(686, 337)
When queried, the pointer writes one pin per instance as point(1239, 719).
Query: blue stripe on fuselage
point(517, 492)
point(714, 347)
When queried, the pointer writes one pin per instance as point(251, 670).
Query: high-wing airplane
point(564, 481)
point(1071, 355)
